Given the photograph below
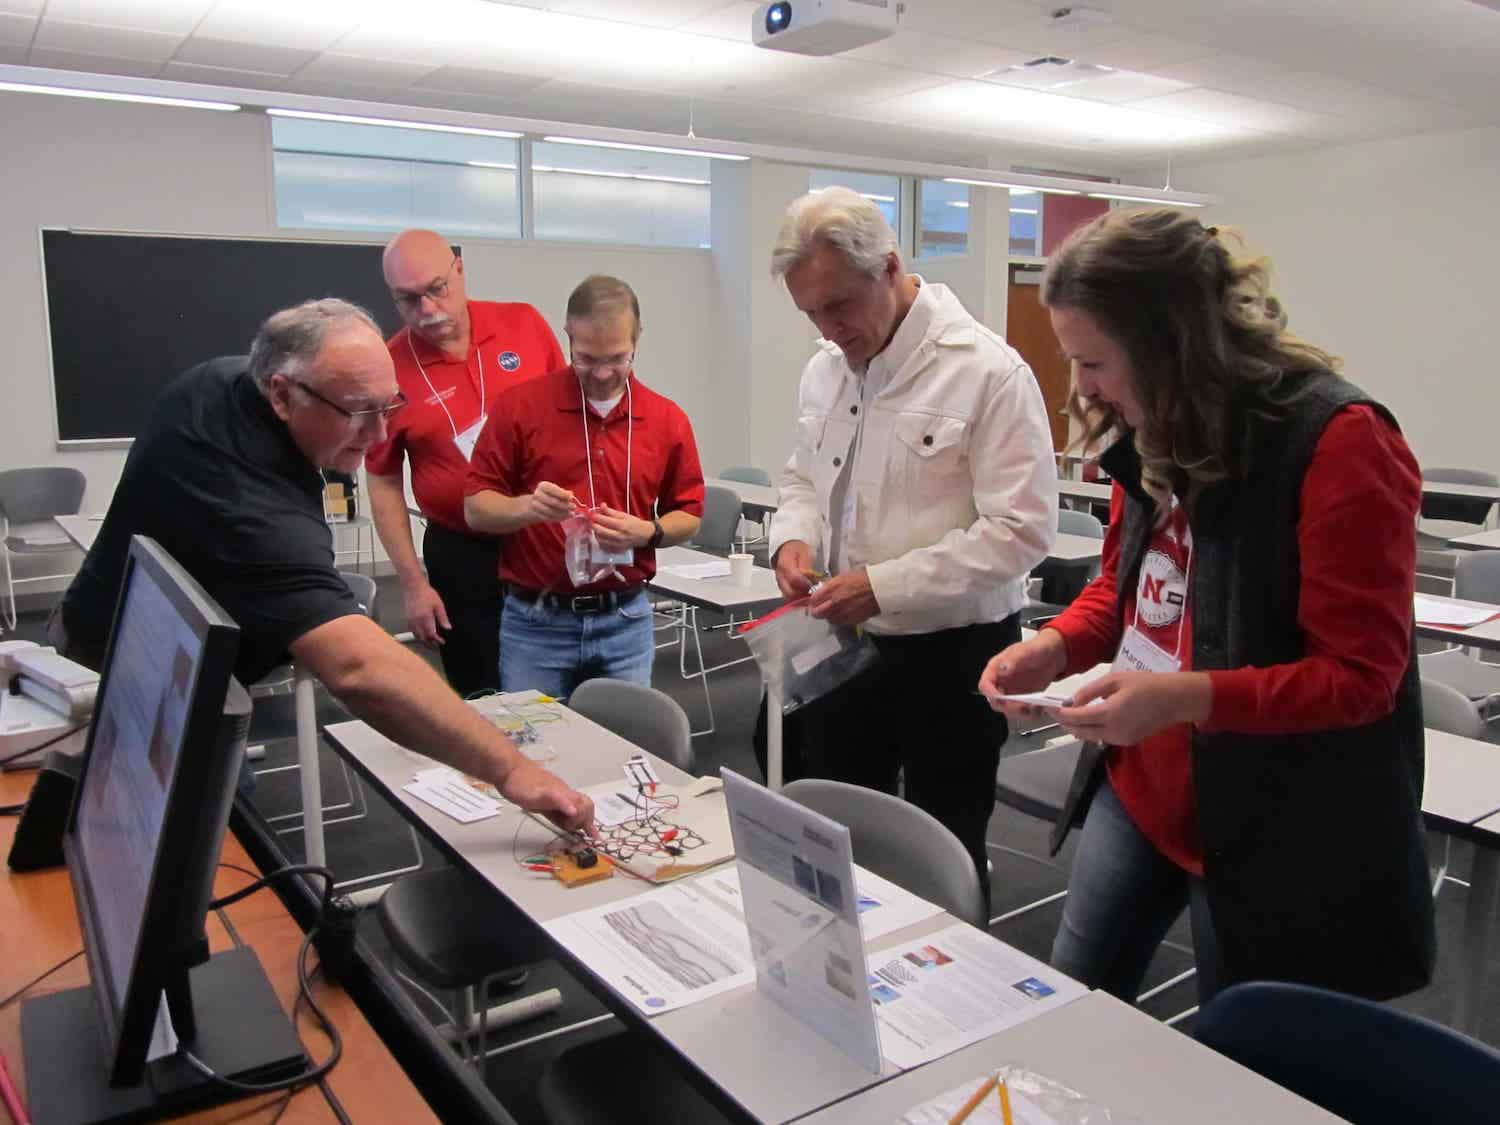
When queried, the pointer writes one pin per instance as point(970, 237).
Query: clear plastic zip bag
point(805, 658)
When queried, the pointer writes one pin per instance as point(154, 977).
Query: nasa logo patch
point(509, 361)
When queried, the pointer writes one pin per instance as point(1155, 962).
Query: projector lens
point(778, 17)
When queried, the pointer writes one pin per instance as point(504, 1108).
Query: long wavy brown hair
point(1207, 341)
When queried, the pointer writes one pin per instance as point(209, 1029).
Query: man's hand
point(550, 503)
point(1135, 705)
point(425, 612)
point(1021, 668)
point(537, 790)
point(617, 531)
point(794, 572)
point(845, 599)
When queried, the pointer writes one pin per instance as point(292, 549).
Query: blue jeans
point(552, 649)
point(1123, 896)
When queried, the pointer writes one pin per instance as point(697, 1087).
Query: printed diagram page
point(883, 907)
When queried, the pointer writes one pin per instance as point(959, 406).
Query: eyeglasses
point(356, 417)
point(434, 292)
point(615, 363)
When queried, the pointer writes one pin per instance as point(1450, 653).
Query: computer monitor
point(142, 846)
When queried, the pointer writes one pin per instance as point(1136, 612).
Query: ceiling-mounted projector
point(822, 27)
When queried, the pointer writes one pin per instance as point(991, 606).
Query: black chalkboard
point(129, 312)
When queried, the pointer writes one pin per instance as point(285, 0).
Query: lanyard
point(588, 455)
point(428, 380)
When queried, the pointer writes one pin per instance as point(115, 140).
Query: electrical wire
point(53, 741)
point(29, 985)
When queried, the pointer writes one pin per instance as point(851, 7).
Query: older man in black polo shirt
point(227, 478)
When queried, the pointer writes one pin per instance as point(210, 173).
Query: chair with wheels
point(1324, 1046)
point(29, 498)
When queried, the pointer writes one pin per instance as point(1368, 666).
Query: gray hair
point(289, 340)
point(837, 217)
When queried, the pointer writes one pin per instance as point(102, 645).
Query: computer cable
point(29, 985)
point(53, 741)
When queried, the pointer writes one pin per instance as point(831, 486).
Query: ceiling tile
point(357, 70)
point(727, 21)
point(1222, 108)
point(1249, 75)
point(22, 7)
point(851, 87)
point(174, 17)
point(1122, 86)
point(651, 13)
point(297, 24)
point(993, 21)
point(93, 64)
point(12, 55)
point(202, 51)
point(486, 83)
point(16, 31)
point(92, 39)
point(937, 54)
point(222, 76)
point(1143, 51)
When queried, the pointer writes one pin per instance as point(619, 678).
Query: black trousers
point(916, 714)
point(465, 571)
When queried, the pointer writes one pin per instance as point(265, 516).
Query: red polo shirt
point(508, 343)
point(536, 432)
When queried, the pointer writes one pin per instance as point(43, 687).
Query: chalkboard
point(129, 312)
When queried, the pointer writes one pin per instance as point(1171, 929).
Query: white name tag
point(1138, 653)
point(465, 441)
point(599, 556)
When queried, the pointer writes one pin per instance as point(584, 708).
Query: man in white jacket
point(923, 482)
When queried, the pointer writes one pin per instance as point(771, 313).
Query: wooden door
point(1030, 332)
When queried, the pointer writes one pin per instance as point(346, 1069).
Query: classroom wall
point(1385, 253)
point(105, 166)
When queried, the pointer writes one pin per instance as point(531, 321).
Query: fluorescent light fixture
point(1023, 191)
point(958, 203)
point(1023, 210)
point(867, 194)
point(1143, 199)
point(391, 123)
point(112, 96)
point(1017, 188)
point(646, 148)
point(490, 164)
point(618, 175)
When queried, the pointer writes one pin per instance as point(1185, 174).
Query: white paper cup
point(741, 567)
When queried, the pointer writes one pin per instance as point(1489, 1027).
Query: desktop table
point(1478, 541)
point(1485, 635)
point(1094, 491)
point(1451, 490)
point(1074, 550)
point(721, 594)
point(81, 530)
point(755, 499)
point(40, 928)
point(1108, 1051)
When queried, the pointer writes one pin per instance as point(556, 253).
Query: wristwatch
point(656, 536)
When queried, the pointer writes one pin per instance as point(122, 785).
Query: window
point(337, 176)
point(883, 191)
point(592, 194)
point(943, 221)
point(1026, 224)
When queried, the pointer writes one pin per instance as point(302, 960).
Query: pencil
point(974, 1099)
point(1005, 1104)
point(11, 1098)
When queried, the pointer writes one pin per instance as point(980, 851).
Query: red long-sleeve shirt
point(1357, 542)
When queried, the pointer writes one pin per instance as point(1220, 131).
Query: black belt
point(581, 604)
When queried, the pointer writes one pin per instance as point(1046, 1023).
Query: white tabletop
point(1110, 1052)
point(1462, 779)
point(1489, 824)
point(1085, 490)
point(1485, 635)
point(722, 594)
point(757, 497)
point(1479, 541)
point(1076, 549)
point(1465, 491)
point(772, 1065)
point(82, 530)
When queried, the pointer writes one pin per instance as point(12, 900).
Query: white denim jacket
point(954, 485)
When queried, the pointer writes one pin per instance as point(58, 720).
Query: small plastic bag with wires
point(806, 658)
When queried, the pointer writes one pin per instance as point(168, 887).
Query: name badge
point(1139, 653)
point(465, 441)
point(599, 556)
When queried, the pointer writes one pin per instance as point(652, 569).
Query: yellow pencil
point(1005, 1104)
point(973, 1103)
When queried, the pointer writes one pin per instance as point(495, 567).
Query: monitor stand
point(242, 1033)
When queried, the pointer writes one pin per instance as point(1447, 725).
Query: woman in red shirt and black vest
point(1255, 753)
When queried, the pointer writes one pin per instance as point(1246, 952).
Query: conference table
point(761, 1063)
point(1453, 491)
point(39, 928)
point(1097, 492)
point(1484, 636)
point(1478, 541)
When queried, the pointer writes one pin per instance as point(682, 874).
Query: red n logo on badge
point(1152, 587)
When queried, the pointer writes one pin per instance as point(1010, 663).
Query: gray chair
point(749, 474)
point(1035, 783)
point(900, 842)
point(651, 719)
point(746, 474)
point(1062, 582)
point(721, 519)
point(1070, 522)
point(1476, 578)
point(1448, 709)
point(29, 498)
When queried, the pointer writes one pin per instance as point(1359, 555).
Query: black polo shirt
point(217, 480)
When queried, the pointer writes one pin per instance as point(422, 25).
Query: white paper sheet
point(956, 987)
point(884, 907)
point(716, 569)
point(663, 949)
point(451, 792)
point(615, 803)
point(1451, 611)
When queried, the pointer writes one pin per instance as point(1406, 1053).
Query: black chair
point(1369, 1063)
point(1035, 783)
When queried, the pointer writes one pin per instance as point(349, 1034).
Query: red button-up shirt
point(508, 343)
point(541, 431)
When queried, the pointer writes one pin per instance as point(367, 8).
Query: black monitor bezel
point(192, 832)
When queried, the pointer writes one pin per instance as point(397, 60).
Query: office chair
point(1476, 578)
point(1447, 709)
point(1062, 582)
point(651, 719)
point(1327, 1047)
point(624, 1078)
point(749, 474)
point(721, 518)
point(34, 496)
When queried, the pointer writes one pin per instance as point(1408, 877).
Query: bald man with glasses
point(227, 476)
point(453, 358)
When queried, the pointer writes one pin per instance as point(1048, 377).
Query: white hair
point(837, 217)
